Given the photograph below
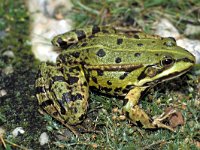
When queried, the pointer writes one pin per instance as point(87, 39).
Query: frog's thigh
point(66, 93)
point(43, 90)
point(134, 112)
point(75, 98)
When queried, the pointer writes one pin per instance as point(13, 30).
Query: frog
point(112, 62)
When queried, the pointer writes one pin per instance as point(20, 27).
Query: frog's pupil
point(167, 61)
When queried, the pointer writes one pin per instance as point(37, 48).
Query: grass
point(138, 13)
point(19, 106)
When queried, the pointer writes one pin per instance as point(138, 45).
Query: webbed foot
point(158, 121)
point(139, 117)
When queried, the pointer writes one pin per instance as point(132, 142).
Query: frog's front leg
point(63, 92)
point(138, 116)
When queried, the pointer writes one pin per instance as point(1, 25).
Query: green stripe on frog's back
point(114, 49)
point(69, 38)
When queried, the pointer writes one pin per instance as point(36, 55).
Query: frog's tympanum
point(112, 62)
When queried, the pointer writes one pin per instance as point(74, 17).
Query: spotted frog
point(113, 62)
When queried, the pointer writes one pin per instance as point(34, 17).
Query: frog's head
point(171, 62)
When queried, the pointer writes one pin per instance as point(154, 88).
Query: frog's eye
point(167, 61)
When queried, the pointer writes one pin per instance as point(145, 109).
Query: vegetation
point(18, 68)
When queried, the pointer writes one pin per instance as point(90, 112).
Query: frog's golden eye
point(167, 61)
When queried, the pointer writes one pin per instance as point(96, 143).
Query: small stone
point(9, 54)
point(115, 110)
point(114, 117)
point(3, 93)
point(94, 146)
point(165, 28)
point(8, 70)
point(192, 29)
point(44, 138)
point(17, 131)
point(122, 117)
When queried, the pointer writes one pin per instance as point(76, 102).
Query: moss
point(19, 106)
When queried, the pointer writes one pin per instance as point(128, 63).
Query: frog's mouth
point(167, 77)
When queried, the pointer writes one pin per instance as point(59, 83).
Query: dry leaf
point(175, 119)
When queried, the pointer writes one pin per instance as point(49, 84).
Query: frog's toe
point(158, 121)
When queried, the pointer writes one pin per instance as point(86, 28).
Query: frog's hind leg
point(75, 99)
point(43, 90)
point(62, 95)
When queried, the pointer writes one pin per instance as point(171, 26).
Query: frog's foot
point(71, 128)
point(139, 117)
point(158, 121)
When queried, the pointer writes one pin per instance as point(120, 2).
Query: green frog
point(117, 63)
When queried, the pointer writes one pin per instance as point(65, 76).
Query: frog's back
point(121, 49)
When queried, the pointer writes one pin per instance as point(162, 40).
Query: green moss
point(18, 108)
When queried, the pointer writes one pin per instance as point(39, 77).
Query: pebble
point(44, 138)
point(17, 131)
point(165, 28)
